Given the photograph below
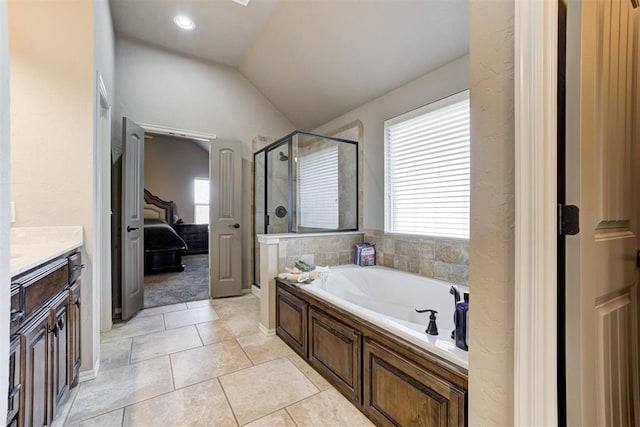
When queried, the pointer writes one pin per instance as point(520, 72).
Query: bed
point(163, 248)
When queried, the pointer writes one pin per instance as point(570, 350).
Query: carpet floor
point(172, 288)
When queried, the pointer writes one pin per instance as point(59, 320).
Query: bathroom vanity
point(45, 327)
point(391, 381)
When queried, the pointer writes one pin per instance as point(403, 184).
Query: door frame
point(535, 317)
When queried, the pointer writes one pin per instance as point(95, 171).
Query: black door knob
point(130, 229)
point(236, 225)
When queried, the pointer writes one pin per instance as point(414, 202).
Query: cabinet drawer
point(397, 392)
point(75, 267)
point(17, 308)
point(291, 321)
point(43, 285)
point(334, 350)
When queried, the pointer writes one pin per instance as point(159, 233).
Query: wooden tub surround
point(391, 381)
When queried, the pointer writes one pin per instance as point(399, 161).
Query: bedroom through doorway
point(176, 210)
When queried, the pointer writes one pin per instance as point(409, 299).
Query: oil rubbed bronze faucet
point(432, 328)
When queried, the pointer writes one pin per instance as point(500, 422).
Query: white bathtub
point(388, 298)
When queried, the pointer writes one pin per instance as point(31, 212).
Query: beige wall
point(491, 249)
point(170, 165)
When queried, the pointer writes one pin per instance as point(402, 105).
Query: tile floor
point(203, 363)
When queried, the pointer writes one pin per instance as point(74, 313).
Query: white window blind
point(427, 163)
point(318, 189)
point(201, 201)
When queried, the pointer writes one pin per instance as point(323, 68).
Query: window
point(318, 189)
point(427, 162)
point(201, 201)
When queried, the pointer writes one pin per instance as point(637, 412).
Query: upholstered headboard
point(155, 207)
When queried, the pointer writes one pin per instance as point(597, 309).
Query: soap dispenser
point(462, 323)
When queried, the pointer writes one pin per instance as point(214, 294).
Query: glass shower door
point(278, 190)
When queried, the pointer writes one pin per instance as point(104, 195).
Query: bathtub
point(388, 298)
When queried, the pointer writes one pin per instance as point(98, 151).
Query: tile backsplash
point(440, 258)
point(332, 249)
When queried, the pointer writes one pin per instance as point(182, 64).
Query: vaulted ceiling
point(313, 59)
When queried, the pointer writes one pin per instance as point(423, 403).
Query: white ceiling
point(313, 59)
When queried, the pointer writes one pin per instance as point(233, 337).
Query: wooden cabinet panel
point(35, 410)
point(43, 285)
point(291, 321)
point(59, 338)
point(397, 392)
point(17, 308)
point(75, 327)
point(15, 386)
point(334, 350)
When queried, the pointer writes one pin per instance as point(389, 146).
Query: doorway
point(176, 171)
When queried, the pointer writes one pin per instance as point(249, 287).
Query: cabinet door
point(15, 385)
point(59, 338)
point(74, 333)
point(397, 392)
point(334, 350)
point(35, 347)
point(291, 321)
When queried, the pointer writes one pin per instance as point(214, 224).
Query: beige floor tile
point(224, 329)
point(203, 404)
point(200, 303)
point(114, 354)
point(277, 419)
point(328, 408)
point(162, 309)
point(199, 364)
point(164, 342)
point(110, 419)
point(119, 387)
point(317, 379)
point(245, 306)
point(261, 348)
point(192, 316)
point(263, 389)
point(134, 327)
point(63, 411)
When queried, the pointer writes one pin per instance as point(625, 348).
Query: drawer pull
point(16, 315)
point(77, 267)
point(77, 302)
point(54, 329)
point(61, 324)
point(14, 391)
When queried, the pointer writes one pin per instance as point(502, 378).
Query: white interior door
point(132, 218)
point(603, 136)
point(225, 247)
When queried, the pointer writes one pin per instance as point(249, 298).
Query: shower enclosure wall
point(305, 183)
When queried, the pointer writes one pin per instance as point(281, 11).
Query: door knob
point(236, 226)
point(130, 229)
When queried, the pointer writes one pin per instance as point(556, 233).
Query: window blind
point(318, 189)
point(201, 201)
point(427, 169)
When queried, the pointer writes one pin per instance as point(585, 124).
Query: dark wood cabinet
point(36, 409)
point(45, 341)
point(291, 321)
point(196, 236)
point(392, 382)
point(334, 350)
point(74, 333)
point(15, 386)
point(400, 393)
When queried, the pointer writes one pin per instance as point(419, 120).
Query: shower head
point(283, 157)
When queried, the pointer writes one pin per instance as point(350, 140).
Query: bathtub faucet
point(456, 299)
point(432, 329)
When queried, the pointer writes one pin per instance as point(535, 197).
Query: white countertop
point(32, 246)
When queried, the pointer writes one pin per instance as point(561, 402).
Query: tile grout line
point(286, 410)
point(224, 392)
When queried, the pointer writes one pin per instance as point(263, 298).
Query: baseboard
point(246, 291)
point(266, 331)
point(255, 290)
point(90, 374)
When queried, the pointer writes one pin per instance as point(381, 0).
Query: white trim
point(255, 290)
point(163, 130)
point(268, 332)
point(535, 368)
point(90, 374)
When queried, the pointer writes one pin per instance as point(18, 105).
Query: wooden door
point(36, 409)
point(59, 339)
point(74, 333)
point(225, 250)
point(602, 179)
point(132, 218)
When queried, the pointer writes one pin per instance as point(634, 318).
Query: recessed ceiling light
point(184, 22)
point(242, 2)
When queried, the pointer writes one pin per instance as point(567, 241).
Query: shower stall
point(305, 183)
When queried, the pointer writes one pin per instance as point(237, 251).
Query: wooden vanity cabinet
point(59, 338)
point(291, 318)
point(35, 408)
point(75, 323)
point(15, 386)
